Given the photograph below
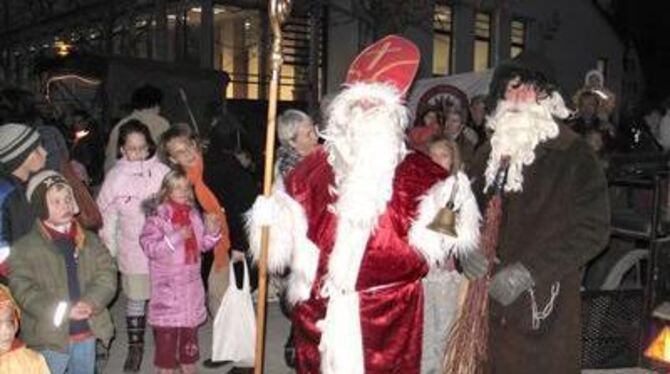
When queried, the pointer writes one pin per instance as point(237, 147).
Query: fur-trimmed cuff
point(434, 246)
point(288, 223)
point(303, 271)
point(288, 245)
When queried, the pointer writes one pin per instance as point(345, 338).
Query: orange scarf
point(210, 204)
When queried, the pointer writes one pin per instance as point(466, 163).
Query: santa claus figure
point(554, 218)
point(352, 226)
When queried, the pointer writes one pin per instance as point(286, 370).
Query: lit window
point(518, 37)
point(482, 41)
point(238, 47)
point(442, 39)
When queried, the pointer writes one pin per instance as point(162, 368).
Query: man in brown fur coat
point(555, 217)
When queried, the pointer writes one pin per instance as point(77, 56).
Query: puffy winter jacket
point(38, 279)
point(125, 188)
point(177, 292)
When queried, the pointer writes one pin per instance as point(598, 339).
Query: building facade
point(473, 35)
point(321, 39)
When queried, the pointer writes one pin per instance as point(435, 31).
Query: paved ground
point(277, 330)
point(620, 371)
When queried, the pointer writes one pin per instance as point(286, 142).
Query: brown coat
point(553, 227)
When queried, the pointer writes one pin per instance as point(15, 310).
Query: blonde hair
point(178, 132)
point(169, 182)
point(456, 162)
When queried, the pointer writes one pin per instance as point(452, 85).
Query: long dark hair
point(135, 127)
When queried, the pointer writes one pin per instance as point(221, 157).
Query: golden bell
point(444, 221)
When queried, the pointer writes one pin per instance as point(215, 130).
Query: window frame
point(524, 37)
point(448, 33)
point(482, 39)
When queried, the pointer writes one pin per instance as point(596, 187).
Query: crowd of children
point(64, 276)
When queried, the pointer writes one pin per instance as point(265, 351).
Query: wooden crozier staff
point(279, 10)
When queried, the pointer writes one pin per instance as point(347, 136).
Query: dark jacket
point(17, 214)
point(553, 227)
point(235, 187)
point(38, 280)
point(54, 143)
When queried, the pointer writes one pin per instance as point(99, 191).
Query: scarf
point(65, 239)
point(75, 233)
point(210, 204)
point(181, 217)
point(287, 159)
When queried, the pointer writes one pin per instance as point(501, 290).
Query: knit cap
point(37, 188)
point(17, 141)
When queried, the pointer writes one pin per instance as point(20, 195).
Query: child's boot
point(136, 327)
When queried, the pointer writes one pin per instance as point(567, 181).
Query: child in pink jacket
point(135, 177)
point(173, 237)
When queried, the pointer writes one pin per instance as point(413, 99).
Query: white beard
point(365, 142)
point(517, 129)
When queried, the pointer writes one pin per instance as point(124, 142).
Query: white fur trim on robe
point(437, 247)
point(365, 144)
point(288, 245)
point(341, 346)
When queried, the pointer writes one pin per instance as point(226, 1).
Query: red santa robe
point(389, 282)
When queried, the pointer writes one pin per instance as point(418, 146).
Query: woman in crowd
point(477, 118)
point(234, 184)
point(297, 137)
point(464, 137)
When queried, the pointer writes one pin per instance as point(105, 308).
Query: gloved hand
point(473, 264)
point(509, 283)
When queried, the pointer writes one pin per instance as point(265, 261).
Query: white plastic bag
point(234, 332)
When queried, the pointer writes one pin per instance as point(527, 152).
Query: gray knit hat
point(17, 141)
point(37, 188)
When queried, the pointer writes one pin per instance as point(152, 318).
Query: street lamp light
point(62, 48)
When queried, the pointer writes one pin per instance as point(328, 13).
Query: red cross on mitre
point(392, 59)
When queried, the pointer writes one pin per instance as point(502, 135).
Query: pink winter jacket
point(127, 185)
point(177, 292)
